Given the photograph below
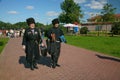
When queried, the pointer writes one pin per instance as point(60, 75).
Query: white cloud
point(29, 7)
point(36, 14)
point(12, 12)
point(79, 1)
point(91, 14)
point(50, 19)
point(103, 1)
point(52, 13)
point(96, 4)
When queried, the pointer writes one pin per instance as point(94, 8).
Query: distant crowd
point(12, 33)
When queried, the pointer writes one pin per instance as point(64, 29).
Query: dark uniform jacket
point(54, 45)
point(57, 31)
point(31, 40)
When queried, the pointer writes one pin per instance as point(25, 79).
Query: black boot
point(57, 65)
point(31, 66)
point(35, 66)
point(53, 65)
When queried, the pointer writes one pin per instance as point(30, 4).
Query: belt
point(57, 41)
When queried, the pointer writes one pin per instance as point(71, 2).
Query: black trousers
point(31, 60)
point(33, 56)
point(55, 52)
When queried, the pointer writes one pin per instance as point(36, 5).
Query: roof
point(99, 16)
point(96, 23)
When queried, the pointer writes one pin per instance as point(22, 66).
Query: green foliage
point(4, 25)
point(71, 12)
point(47, 27)
point(105, 45)
point(108, 13)
point(3, 42)
point(116, 28)
point(39, 25)
point(64, 29)
point(18, 25)
point(83, 30)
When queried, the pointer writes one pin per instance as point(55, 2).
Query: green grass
point(3, 42)
point(105, 45)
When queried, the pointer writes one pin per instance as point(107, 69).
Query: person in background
point(31, 42)
point(42, 33)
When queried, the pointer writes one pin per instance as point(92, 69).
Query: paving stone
point(76, 64)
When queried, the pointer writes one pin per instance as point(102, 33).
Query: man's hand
point(42, 44)
point(24, 47)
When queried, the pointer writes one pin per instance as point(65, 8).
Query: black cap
point(55, 21)
point(30, 21)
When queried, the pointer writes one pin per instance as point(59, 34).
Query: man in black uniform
point(31, 41)
point(53, 35)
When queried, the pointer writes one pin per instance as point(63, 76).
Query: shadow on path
point(106, 57)
point(43, 61)
point(22, 60)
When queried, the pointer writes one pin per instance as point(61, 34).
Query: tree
point(4, 25)
point(19, 25)
point(71, 12)
point(24, 25)
point(108, 13)
point(39, 25)
point(116, 28)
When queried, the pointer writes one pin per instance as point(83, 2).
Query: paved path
point(76, 64)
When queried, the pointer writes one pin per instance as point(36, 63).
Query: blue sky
point(44, 11)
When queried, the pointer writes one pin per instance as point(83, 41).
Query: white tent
point(70, 25)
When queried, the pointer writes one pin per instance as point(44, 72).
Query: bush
point(116, 28)
point(83, 30)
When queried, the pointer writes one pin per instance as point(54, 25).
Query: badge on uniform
point(36, 32)
point(43, 51)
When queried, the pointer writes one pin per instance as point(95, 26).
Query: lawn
point(105, 45)
point(3, 42)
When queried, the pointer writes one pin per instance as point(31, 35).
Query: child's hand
point(53, 36)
